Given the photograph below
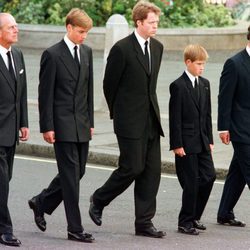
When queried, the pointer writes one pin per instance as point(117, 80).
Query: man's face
point(196, 68)
point(148, 27)
point(8, 31)
point(76, 34)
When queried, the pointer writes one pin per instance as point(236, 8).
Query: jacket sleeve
point(46, 91)
point(113, 72)
point(209, 117)
point(23, 99)
point(91, 91)
point(228, 82)
point(175, 117)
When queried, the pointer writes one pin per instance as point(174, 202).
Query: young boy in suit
point(191, 138)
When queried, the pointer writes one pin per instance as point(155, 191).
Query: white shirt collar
point(248, 50)
point(70, 45)
point(3, 53)
point(191, 77)
point(141, 41)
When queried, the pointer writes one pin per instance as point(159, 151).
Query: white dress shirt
point(3, 53)
point(191, 77)
point(71, 47)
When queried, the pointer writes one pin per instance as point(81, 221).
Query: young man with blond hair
point(66, 121)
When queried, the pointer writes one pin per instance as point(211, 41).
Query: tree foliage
point(181, 13)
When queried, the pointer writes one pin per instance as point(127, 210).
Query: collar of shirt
point(191, 77)
point(142, 41)
point(248, 50)
point(3, 53)
point(71, 46)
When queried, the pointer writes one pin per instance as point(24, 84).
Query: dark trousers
point(139, 162)
point(6, 168)
point(71, 160)
point(196, 175)
point(238, 176)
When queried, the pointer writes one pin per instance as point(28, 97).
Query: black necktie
point(147, 56)
point(196, 89)
point(11, 69)
point(76, 57)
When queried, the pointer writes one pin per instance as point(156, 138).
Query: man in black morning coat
point(130, 92)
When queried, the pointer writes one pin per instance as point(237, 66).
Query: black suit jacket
point(66, 100)
point(13, 100)
point(233, 99)
point(189, 120)
point(129, 88)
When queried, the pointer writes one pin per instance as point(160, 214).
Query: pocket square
point(21, 71)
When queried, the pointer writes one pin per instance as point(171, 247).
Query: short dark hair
point(248, 33)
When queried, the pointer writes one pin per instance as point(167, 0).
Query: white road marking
point(93, 166)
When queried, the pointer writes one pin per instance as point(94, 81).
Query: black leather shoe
point(188, 230)
point(38, 215)
point(150, 232)
point(198, 225)
point(9, 240)
point(81, 237)
point(231, 222)
point(95, 212)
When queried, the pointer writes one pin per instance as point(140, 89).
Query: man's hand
point(92, 131)
point(225, 137)
point(49, 136)
point(180, 152)
point(24, 134)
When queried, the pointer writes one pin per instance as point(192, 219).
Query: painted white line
point(29, 158)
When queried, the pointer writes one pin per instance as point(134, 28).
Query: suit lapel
point(246, 60)
point(18, 69)
point(6, 74)
point(202, 90)
point(139, 54)
point(68, 61)
point(83, 67)
point(191, 90)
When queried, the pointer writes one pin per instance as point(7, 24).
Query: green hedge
point(181, 13)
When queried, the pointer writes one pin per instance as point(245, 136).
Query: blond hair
point(78, 17)
point(195, 52)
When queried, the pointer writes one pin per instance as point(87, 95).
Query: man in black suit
point(233, 125)
point(13, 116)
point(130, 91)
point(66, 120)
point(191, 138)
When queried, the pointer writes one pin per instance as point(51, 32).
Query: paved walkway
point(103, 147)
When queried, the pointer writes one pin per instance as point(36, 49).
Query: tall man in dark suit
point(66, 120)
point(13, 116)
point(130, 91)
point(233, 125)
point(191, 138)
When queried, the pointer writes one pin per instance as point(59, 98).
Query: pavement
point(103, 147)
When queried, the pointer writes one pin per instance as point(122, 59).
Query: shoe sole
point(31, 205)
point(183, 232)
point(148, 235)
point(91, 215)
point(231, 225)
point(83, 241)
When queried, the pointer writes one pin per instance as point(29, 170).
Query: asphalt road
point(117, 231)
